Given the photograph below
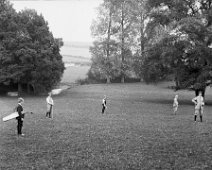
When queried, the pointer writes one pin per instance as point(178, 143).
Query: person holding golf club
point(20, 118)
point(175, 104)
point(104, 104)
point(50, 104)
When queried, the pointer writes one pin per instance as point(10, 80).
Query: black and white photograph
point(105, 84)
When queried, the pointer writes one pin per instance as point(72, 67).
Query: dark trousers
point(49, 113)
point(103, 108)
point(19, 126)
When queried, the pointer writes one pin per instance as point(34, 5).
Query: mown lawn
point(138, 131)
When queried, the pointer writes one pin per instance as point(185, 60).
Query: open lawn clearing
point(72, 74)
point(138, 131)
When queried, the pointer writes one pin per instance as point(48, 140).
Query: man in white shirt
point(104, 104)
point(50, 104)
point(199, 103)
point(175, 104)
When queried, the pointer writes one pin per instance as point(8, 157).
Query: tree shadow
point(170, 101)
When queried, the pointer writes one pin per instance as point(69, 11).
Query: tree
point(125, 34)
point(186, 47)
point(43, 51)
point(140, 19)
point(105, 66)
point(29, 54)
point(104, 48)
point(8, 42)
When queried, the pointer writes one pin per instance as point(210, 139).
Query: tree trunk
point(142, 33)
point(28, 88)
point(108, 80)
point(33, 89)
point(200, 90)
point(122, 44)
point(108, 35)
point(19, 89)
point(122, 79)
point(108, 43)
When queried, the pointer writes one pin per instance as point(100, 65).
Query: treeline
point(152, 40)
point(29, 54)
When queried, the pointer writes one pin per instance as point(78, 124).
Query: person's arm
point(48, 100)
point(194, 100)
point(203, 103)
point(19, 110)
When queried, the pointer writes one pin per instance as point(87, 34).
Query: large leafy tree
point(115, 36)
point(185, 48)
point(104, 47)
point(125, 33)
point(29, 53)
point(140, 16)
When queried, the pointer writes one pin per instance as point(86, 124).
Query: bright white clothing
point(49, 102)
point(104, 102)
point(199, 102)
point(175, 104)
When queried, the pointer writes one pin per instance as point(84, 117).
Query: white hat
point(20, 100)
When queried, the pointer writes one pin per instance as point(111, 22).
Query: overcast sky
point(69, 19)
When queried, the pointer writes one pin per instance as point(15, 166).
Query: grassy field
point(72, 74)
point(138, 131)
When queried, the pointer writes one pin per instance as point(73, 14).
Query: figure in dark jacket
point(20, 118)
point(104, 104)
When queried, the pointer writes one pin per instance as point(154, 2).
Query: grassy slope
point(137, 132)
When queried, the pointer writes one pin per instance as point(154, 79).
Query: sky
point(68, 19)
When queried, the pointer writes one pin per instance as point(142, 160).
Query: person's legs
point(103, 109)
point(47, 114)
point(201, 113)
point(50, 112)
point(195, 114)
point(19, 127)
point(175, 110)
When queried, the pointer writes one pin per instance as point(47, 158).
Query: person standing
point(50, 104)
point(199, 103)
point(104, 104)
point(175, 104)
point(20, 118)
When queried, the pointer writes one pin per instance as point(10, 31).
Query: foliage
point(185, 47)
point(111, 51)
point(29, 53)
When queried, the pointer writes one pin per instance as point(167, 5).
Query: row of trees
point(29, 54)
point(154, 39)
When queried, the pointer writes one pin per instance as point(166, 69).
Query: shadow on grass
point(168, 101)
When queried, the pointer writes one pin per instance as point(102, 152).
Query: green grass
point(72, 74)
point(138, 131)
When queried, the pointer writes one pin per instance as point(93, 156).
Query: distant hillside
point(78, 44)
point(76, 49)
point(77, 61)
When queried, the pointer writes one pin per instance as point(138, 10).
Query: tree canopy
point(185, 48)
point(158, 39)
point(29, 54)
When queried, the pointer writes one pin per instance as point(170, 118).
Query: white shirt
point(104, 102)
point(199, 101)
point(49, 100)
point(175, 104)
